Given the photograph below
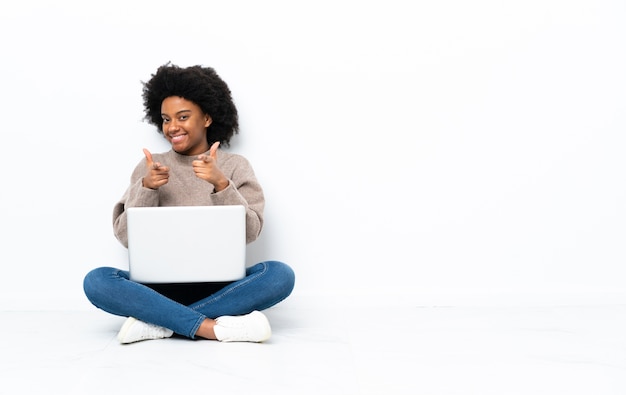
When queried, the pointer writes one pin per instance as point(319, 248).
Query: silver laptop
point(186, 244)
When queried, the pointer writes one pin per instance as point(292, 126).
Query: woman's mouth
point(177, 139)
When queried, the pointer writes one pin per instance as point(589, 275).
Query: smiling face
point(185, 125)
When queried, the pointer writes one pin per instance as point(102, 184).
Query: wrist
point(220, 186)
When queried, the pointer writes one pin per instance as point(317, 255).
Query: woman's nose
point(172, 125)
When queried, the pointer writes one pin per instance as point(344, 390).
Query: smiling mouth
point(177, 138)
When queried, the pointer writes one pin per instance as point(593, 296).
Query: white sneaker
point(134, 330)
point(253, 327)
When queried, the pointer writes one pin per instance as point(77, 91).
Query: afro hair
point(200, 85)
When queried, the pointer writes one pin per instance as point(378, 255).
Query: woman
point(194, 111)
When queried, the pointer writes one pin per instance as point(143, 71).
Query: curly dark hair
point(197, 84)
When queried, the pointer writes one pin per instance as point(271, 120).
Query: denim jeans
point(264, 285)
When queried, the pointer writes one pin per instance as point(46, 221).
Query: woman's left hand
point(206, 168)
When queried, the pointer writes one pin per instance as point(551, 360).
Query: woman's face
point(185, 125)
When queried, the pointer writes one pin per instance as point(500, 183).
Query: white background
point(422, 152)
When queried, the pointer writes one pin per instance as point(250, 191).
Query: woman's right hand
point(157, 175)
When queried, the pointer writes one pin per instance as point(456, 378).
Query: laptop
point(186, 244)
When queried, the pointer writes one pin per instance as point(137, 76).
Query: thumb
point(148, 155)
point(213, 150)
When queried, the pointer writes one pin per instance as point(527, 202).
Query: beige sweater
point(185, 189)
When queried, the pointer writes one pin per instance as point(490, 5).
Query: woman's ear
point(208, 120)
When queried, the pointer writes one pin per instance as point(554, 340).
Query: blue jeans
point(111, 290)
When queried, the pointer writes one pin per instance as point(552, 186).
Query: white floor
point(419, 350)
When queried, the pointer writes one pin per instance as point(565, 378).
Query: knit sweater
point(185, 189)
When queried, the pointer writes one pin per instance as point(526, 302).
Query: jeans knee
point(284, 276)
point(92, 277)
point(94, 283)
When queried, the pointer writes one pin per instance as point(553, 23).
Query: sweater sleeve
point(244, 189)
point(136, 195)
